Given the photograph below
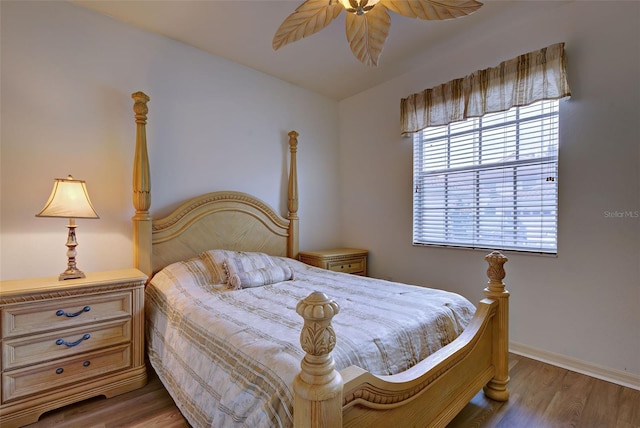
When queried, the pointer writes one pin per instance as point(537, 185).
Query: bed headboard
point(224, 219)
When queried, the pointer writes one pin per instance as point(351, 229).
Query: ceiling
point(242, 31)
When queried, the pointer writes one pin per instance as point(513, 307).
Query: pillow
point(214, 260)
point(198, 271)
point(186, 274)
point(242, 260)
point(257, 277)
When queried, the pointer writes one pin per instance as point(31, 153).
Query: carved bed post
point(496, 389)
point(318, 387)
point(141, 188)
point(292, 199)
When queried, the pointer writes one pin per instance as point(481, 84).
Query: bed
point(243, 334)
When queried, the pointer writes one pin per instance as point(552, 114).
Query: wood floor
point(541, 396)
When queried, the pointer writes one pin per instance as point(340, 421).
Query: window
point(489, 182)
point(486, 155)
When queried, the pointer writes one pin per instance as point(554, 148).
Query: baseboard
point(610, 375)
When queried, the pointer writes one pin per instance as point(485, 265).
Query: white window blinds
point(490, 181)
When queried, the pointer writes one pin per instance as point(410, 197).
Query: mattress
point(228, 356)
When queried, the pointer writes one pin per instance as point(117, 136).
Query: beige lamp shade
point(69, 198)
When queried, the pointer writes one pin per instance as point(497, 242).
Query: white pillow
point(214, 260)
point(257, 277)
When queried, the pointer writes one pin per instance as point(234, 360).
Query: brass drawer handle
point(60, 312)
point(86, 336)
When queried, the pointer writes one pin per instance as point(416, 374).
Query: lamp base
point(71, 274)
point(72, 271)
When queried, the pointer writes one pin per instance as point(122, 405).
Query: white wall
point(67, 76)
point(582, 305)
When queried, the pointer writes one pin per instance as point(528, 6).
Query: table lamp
point(69, 198)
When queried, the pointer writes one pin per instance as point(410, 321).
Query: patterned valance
point(531, 77)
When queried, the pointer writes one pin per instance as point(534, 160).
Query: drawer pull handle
point(77, 342)
point(59, 371)
point(86, 363)
point(60, 312)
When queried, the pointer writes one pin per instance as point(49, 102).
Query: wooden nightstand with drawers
point(347, 260)
point(65, 341)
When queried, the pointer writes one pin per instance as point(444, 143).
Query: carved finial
point(495, 272)
point(317, 337)
point(318, 387)
point(140, 106)
point(293, 141)
point(317, 306)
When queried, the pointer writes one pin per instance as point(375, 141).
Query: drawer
point(58, 314)
point(347, 266)
point(46, 347)
point(66, 372)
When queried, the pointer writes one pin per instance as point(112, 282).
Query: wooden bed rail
point(446, 380)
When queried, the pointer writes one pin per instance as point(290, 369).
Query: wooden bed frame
point(429, 394)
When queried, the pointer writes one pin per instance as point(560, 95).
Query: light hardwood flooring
point(542, 396)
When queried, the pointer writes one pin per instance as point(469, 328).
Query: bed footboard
point(429, 394)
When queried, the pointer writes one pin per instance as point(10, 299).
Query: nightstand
point(65, 341)
point(347, 260)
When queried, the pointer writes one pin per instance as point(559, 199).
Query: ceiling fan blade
point(367, 33)
point(309, 18)
point(432, 9)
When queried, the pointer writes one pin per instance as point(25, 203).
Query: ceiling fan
point(368, 21)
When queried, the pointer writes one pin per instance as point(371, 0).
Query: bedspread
point(228, 357)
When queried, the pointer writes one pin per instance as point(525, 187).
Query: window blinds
point(489, 182)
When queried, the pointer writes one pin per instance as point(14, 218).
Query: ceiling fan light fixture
point(358, 7)
point(367, 26)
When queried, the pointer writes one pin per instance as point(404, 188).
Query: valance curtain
point(531, 77)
